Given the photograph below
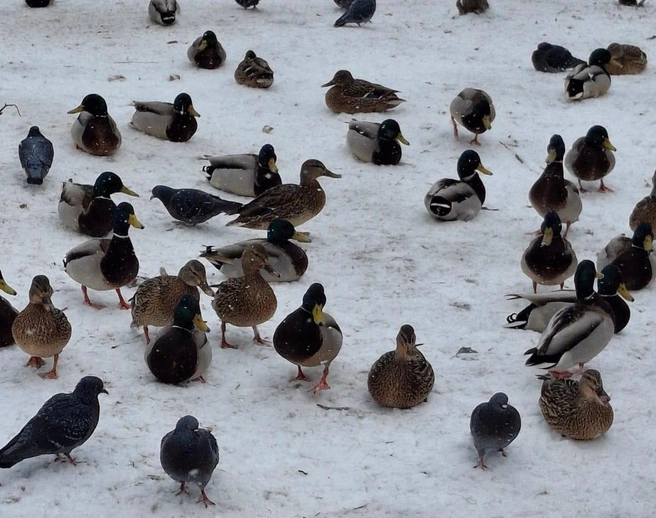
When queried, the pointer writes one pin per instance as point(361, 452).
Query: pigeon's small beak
point(103, 391)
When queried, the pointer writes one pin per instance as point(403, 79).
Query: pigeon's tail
point(16, 451)
point(227, 207)
point(342, 20)
point(35, 175)
point(574, 62)
point(33, 180)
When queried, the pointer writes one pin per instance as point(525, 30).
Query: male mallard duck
point(376, 142)
point(552, 191)
point(191, 206)
point(591, 157)
point(309, 337)
point(402, 378)
point(254, 72)
point(175, 122)
point(632, 260)
point(553, 58)
point(473, 110)
point(589, 80)
point(472, 6)
point(358, 11)
point(35, 153)
point(450, 199)
point(350, 95)
point(106, 264)
point(287, 259)
point(645, 209)
point(88, 209)
point(549, 258)
point(627, 60)
point(295, 203)
point(206, 51)
point(246, 301)
point(163, 11)
point(246, 174)
point(576, 333)
point(577, 409)
point(155, 300)
point(7, 315)
point(180, 351)
point(494, 425)
point(41, 330)
point(94, 131)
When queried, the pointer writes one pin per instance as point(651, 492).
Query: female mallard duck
point(350, 95)
point(254, 72)
point(626, 60)
point(472, 6)
point(576, 333)
point(577, 409)
point(244, 175)
point(206, 52)
point(309, 337)
point(450, 199)
point(287, 259)
point(163, 12)
point(41, 330)
point(94, 131)
point(175, 122)
point(552, 191)
point(474, 111)
point(180, 351)
point(376, 142)
point(155, 300)
point(591, 157)
point(645, 209)
point(553, 58)
point(295, 203)
point(549, 258)
point(402, 378)
point(246, 301)
point(7, 315)
point(88, 209)
point(589, 80)
point(106, 264)
point(631, 257)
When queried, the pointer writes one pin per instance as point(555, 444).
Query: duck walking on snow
point(473, 110)
point(36, 153)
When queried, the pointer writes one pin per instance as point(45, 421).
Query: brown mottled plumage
point(472, 6)
point(254, 71)
point(645, 209)
point(350, 95)
point(8, 314)
point(627, 60)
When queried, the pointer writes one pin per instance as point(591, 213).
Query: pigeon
point(360, 11)
point(163, 11)
point(192, 206)
point(62, 424)
point(343, 3)
point(248, 3)
point(553, 58)
point(494, 425)
point(35, 153)
point(189, 454)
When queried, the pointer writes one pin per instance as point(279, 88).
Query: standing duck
point(591, 157)
point(626, 60)
point(254, 72)
point(309, 337)
point(106, 264)
point(553, 58)
point(589, 80)
point(94, 131)
point(645, 209)
point(631, 257)
point(350, 95)
point(474, 111)
point(402, 378)
point(8, 314)
point(35, 153)
point(450, 199)
point(206, 52)
point(494, 425)
point(175, 122)
point(376, 142)
point(192, 206)
point(41, 330)
point(163, 12)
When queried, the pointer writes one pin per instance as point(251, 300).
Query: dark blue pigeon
point(35, 153)
point(192, 206)
point(248, 3)
point(360, 11)
point(494, 425)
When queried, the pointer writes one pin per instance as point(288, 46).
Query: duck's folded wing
point(88, 248)
point(364, 128)
point(243, 161)
point(540, 299)
point(76, 194)
point(158, 107)
point(270, 200)
point(579, 72)
point(567, 328)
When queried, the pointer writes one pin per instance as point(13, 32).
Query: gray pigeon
point(189, 454)
point(343, 3)
point(360, 11)
point(494, 425)
point(62, 424)
point(192, 206)
point(35, 153)
point(248, 3)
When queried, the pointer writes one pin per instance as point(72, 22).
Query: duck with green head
point(375, 142)
point(632, 259)
point(206, 51)
point(591, 157)
point(473, 110)
point(590, 79)
point(94, 131)
point(175, 121)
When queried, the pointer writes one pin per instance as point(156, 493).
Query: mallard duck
point(591, 157)
point(106, 264)
point(254, 72)
point(552, 191)
point(206, 52)
point(287, 259)
point(402, 378)
point(180, 351)
point(191, 206)
point(246, 174)
point(553, 58)
point(7, 314)
point(494, 425)
point(549, 259)
point(35, 153)
point(246, 301)
point(626, 60)
point(175, 122)
point(350, 95)
point(576, 333)
point(591, 79)
point(645, 209)
point(450, 199)
point(295, 203)
point(163, 11)
point(472, 6)
point(248, 3)
point(358, 11)
point(633, 261)
point(376, 142)
point(88, 209)
point(94, 131)
point(474, 111)
point(577, 409)
point(41, 330)
point(155, 300)
point(309, 337)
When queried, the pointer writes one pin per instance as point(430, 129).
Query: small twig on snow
point(10, 104)
point(333, 407)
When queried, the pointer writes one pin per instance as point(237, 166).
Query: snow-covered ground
point(383, 261)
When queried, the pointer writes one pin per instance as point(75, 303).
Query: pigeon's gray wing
point(197, 206)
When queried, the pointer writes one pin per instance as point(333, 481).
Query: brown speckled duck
point(254, 72)
point(351, 95)
point(626, 60)
point(8, 314)
point(645, 209)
